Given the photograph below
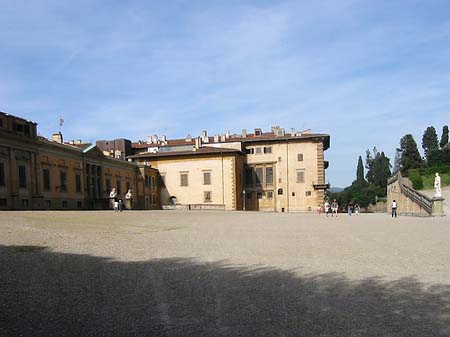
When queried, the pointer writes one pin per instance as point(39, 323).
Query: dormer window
point(258, 132)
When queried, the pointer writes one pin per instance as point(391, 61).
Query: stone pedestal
point(438, 206)
point(128, 204)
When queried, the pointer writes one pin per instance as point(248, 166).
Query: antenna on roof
point(61, 122)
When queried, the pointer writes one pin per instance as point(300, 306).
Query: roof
point(265, 136)
point(201, 151)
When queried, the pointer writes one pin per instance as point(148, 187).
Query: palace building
point(259, 171)
point(36, 173)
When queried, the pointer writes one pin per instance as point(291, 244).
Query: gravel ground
point(207, 273)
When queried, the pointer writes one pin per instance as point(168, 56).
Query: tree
point(430, 141)
point(410, 154)
point(360, 172)
point(378, 168)
point(444, 137)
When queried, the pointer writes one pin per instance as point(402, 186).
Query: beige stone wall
point(296, 196)
point(223, 172)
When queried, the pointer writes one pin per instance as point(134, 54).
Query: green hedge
point(416, 179)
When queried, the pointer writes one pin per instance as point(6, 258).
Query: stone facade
point(263, 171)
point(36, 173)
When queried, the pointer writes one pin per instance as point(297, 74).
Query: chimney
point(79, 141)
point(198, 143)
point(71, 142)
point(188, 138)
point(205, 137)
point(244, 133)
point(223, 138)
point(292, 132)
point(227, 134)
point(149, 139)
point(216, 138)
point(57, 137)
point(164, 138)
point(155, 139)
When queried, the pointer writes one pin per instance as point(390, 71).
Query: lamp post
point(243, 192)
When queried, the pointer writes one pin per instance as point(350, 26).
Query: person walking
point(116, 206)
point(327, 208)
point(334, 208)
point(356, 209)
point(350, 208)
point(394, 208)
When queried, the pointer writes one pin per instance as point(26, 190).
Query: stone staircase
point(410, 201)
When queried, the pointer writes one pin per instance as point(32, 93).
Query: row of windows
point(184, 178)
point(268, 149)
point(150, 182)
point(269, 194)
point(62, 180)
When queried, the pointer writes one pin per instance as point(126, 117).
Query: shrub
point(416, 179)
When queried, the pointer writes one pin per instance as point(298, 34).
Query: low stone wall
point(379, 207)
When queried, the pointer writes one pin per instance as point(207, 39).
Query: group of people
point(333, 208)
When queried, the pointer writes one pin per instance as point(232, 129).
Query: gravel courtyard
point(174, 273)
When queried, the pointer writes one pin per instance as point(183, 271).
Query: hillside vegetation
point(423, 178)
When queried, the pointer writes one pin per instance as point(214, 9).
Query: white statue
point(437, 186)
point(128, 195)
point(113, 193)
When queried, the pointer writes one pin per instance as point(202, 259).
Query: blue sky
point(366, 72)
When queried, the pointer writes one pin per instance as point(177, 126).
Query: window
point(147, 181)
point(269, 194)
point(119, 187)
point(154, 199)
point(46, 178)
point(206, 178)
point(22, 176)
point(79, 204)
point(128, 186)
point(258, 150)
point(259, 195)
point(63, 178)
point(269, 175)
point(300, 157)
point(48, 203)
point(184, 179)
point(308, 193)
point(25, 202)
point(78, 182)
point(1, 122)
point(293, 194)
point(249, 195)
point(280, 191)
point(259, 175)
point(108, 184)
point(300, 176)
point(207, 196)
point(2, 174)
point(268, 149)
point(154, 183)
point(258, 132)
point(65, 204)
point(250, 151)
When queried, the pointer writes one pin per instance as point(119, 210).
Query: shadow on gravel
point(52, 294)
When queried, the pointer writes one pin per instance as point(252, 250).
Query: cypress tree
point(410, 154)
point(360, 171)
point(444, 137)
point(430, 141)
